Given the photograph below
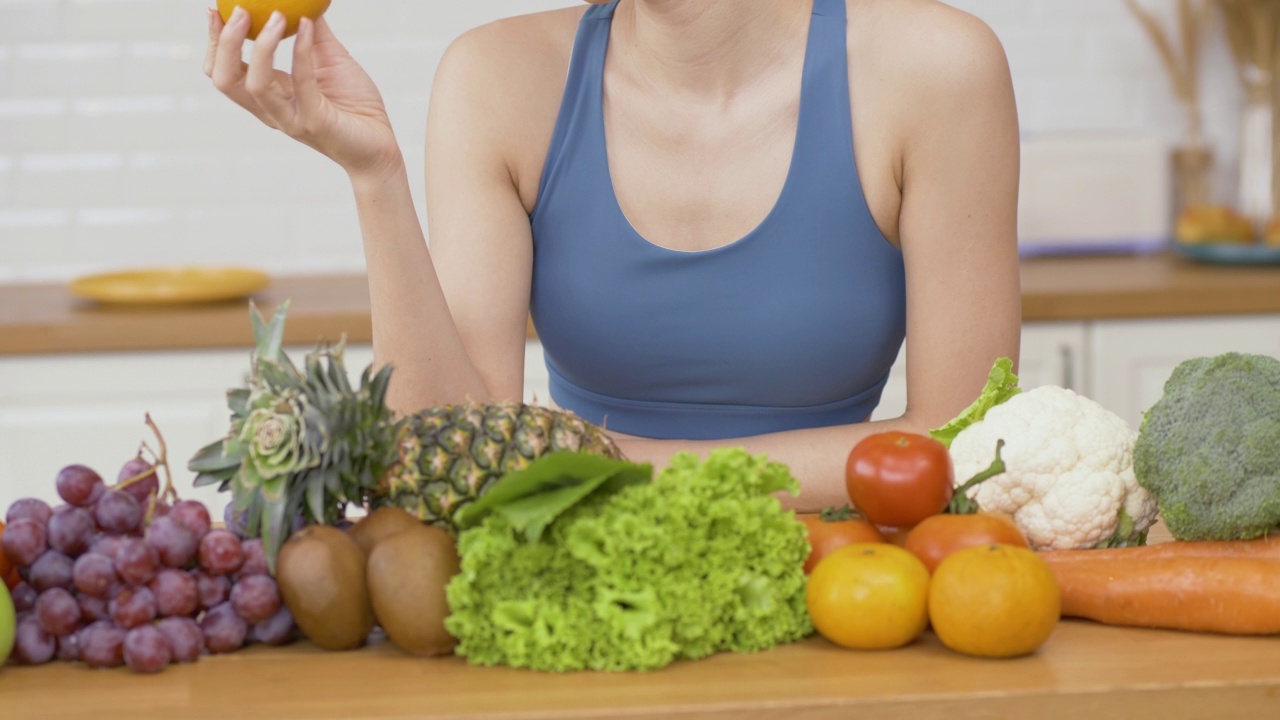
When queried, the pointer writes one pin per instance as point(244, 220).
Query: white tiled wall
point(115, 151)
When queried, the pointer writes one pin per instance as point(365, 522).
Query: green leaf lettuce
point(615, 572)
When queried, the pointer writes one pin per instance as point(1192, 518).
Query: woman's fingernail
point(238, 16)
point(275, 21)
point(212, 14)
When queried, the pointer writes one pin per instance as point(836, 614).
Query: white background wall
point(116, 151)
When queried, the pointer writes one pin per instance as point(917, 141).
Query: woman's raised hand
point(328, 101)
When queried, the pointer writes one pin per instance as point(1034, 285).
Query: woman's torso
point(714, 282)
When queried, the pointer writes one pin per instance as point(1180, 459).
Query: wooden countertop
point(36, 319)
point(1085, 670)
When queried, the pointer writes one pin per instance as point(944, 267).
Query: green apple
point(8, 622)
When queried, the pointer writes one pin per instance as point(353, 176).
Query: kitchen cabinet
point(1130, 360)
point(76, 379)
point(1051, 354)
point(89, 409)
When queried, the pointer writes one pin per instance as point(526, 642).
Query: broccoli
point(1209, 450)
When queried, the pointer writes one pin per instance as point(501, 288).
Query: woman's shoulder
point(920, 61)
point(501, 85)
point(514, 50)
point(926, 40)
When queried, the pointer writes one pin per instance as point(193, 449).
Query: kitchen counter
point(1085, 670)
point(43, 318)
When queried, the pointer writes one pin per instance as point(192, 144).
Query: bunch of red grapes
point(117, 576)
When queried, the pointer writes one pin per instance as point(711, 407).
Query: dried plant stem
point(1253, 31)
point(167, 493)
point(1183, 62)
point(162, 461)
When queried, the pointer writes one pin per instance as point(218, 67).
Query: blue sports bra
point(794, 325)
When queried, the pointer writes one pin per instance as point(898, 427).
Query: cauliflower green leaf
point(1002, 384)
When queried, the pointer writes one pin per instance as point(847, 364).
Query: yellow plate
point(167, 286)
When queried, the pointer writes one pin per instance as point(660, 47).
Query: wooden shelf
point(43, 318)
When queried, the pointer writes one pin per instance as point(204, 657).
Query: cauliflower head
point(1069, 480)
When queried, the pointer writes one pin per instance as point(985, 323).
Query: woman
point(723, 215)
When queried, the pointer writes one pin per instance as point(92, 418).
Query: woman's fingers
point(262, 82)
point(229, 71)
point(228, 68)
point(215, 29)
point(308, 99)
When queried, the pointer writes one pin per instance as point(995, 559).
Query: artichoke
point(302, 444)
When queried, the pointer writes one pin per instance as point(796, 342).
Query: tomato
point(897, 479)
point(941, 535)
point(8, 573)
point(869, 596)
point(895, 536)
point(832, 530)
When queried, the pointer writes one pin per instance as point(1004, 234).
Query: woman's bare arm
point(420, 306)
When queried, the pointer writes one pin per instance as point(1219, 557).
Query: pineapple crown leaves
point(302, 443)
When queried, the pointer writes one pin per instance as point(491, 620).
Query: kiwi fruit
point(379, 524)
point(321, 574)
point(407, 575)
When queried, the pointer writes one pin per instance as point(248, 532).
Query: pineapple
point(447, 457)
point(304, 444)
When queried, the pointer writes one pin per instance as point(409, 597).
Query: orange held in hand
point(994, 601)
point(869, 596)
point(260, 11)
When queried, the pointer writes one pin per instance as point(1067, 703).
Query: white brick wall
point(115, 151)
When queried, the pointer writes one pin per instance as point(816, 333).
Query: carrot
point(1230, 595)
point(1267, 547)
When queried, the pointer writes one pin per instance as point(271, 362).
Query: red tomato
point(937, 537)
point(895, 536)
point(831, 531)
point(897, 479)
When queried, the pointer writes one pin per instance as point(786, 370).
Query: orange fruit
point(869, 596)
point(260, 11)
point(994, 601)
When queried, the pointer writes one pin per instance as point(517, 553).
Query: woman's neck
point(707, 48)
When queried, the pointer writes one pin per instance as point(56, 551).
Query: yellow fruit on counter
point(260, 11)
point(1207, 224)
point(1272, 237)
point(996, 601)
point(869, 596)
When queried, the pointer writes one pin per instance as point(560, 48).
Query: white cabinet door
point(536, 381)
point(893, 400)
point(1051, 354)
point(90, 410)
point(1054, 354)
point(1131, 360)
